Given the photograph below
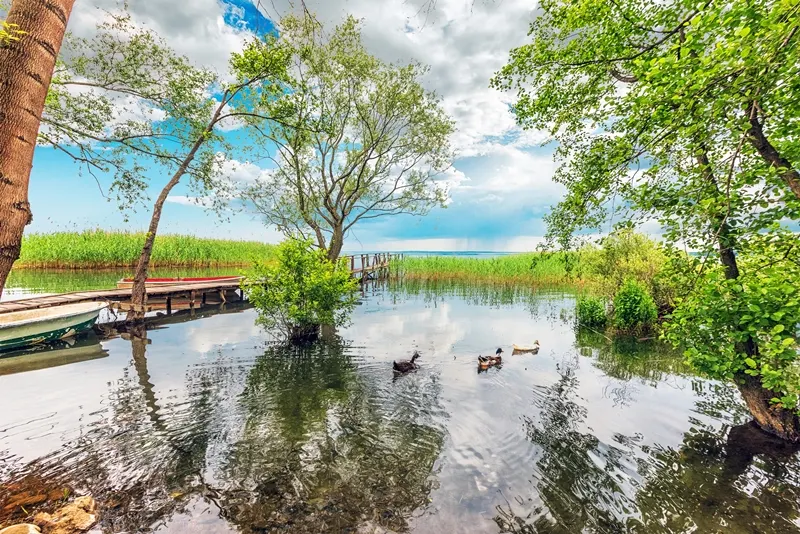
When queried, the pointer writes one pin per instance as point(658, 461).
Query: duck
point(484, 362)
point(533, 349)
point(406, 366)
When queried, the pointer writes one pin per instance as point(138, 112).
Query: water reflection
point(323, 445)
point(201, 425)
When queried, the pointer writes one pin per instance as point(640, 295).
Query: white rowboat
point(31, 327)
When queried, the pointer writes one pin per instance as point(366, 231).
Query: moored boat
point(127, 283)
point(31, 327)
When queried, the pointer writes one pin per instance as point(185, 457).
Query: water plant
point(531, 268)
point(101, 249)
point(591, 311)
point(301, 291)
point(634, 308)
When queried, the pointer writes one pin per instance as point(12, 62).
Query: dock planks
point(369, 263)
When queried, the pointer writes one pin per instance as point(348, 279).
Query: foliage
point(101, 249)
point(123, 102)
point(627, 255)
point(665, 111)
point(358, 138)
point(634, 308)
point(591, 311)
point(301, 290)
point(9, 32)
point(715, 322)
point(682, 114)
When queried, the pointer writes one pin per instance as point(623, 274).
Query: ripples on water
point(207, 427)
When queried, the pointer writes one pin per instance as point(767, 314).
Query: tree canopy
point(359, 138)
point(684, 114)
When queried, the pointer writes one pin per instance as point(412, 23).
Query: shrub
point(301, 291)
point(628, 255)
point(634, 308)
point(591, 312)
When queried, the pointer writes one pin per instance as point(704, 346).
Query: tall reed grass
point(93, 249)
point(530, 268)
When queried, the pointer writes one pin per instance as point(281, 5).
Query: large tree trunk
point(771, 418)
point(139, 290)
point(26, 67)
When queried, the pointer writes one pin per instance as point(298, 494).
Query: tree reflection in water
point(735, 479)
point(303, 441)
point(321, 448)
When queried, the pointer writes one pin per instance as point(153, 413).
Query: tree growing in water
point(360, 138)
point(125, 103)
point(302, 291)
point(683, 113)
point(30, 39)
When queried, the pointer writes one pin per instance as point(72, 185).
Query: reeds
point(530, 268)
point(98, 249)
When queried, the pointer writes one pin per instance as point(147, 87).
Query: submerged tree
point(684, 114)
point(30, 39)
point(360, 138)
point(125, 103)
point(302, 291)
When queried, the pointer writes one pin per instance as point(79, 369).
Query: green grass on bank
point(97, 249)
point(529, 268)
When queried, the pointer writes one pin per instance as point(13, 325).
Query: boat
point(81, 348)
point(31, 327)
point(127, 283)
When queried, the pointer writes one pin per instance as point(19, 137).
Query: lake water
point(208, 426)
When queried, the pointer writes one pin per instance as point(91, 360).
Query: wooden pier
point(178, 295)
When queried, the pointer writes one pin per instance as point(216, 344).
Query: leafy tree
point(124, 103)
point(681, 113)
point(30, 39)
point(302, 291)
point(361, 138)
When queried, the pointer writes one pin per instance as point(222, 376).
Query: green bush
point(300, 292)
point(591, 312)
point(634, 308)
point(628, 255)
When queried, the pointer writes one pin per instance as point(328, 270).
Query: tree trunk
point(26, 67)
point(771, 418)
point(771, 155)
point(336, 244)
point(139, 290)
point(776, 420)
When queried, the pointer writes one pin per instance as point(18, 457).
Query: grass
point(97, 249)
point(532, 268)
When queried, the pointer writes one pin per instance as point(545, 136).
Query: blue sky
point(500, 181)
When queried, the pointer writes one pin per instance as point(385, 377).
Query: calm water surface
point(208, 426)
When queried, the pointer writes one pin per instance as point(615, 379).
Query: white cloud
point(194, 28)
point(497, 171)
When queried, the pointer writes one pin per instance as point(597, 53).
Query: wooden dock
point(364, 266)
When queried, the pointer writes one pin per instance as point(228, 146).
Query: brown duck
point(406, 366)
point(484, 362)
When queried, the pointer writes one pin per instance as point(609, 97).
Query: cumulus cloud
point(500, 183)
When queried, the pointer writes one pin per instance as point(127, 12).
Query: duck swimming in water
point(406, 366)
point(484, 362)
point(533, 349)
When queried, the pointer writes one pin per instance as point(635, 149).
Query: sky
point(500, 180)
